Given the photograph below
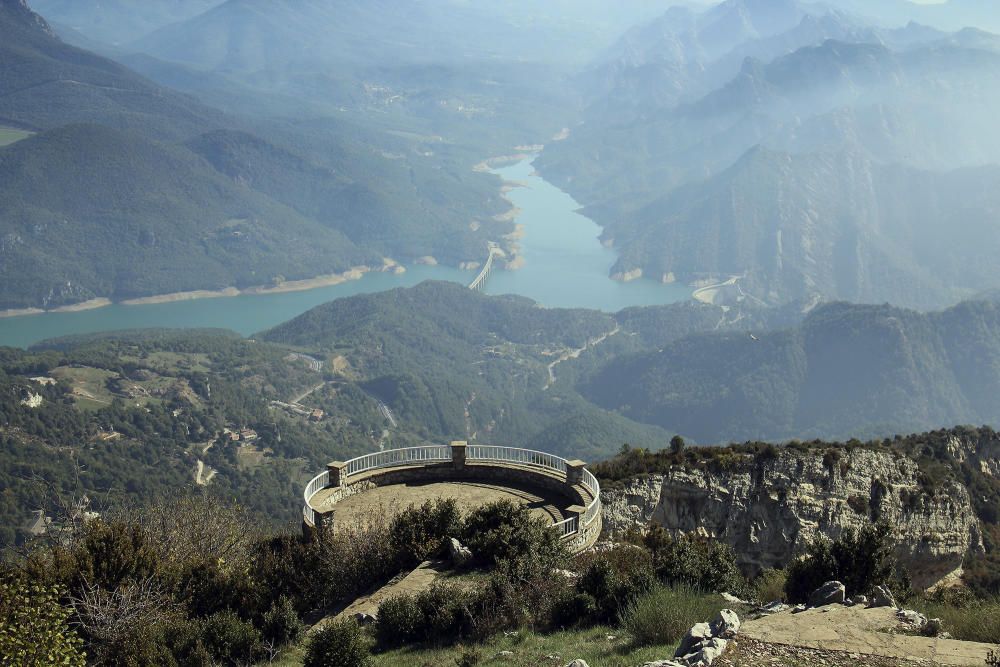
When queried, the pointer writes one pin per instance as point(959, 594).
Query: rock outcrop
point(832, 592)
point(769, 505)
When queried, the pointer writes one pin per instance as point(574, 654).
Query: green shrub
point(205, 588)
point(399, 620)
point(419, 533)
point(283, 565)
point(230, 639)
point(34, 627)
point(281, 624)
point(338, 644)
point(574, 608)
point(517, 593)
point(182, 641)
point(446, 614)
point(504, 530)
point(440, 614)
point(664, 615)
point(770, 586)
point(616, 578)
point(859, 559)
point(707, 566)
point(111, 553)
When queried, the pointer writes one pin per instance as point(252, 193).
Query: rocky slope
point(769, 505)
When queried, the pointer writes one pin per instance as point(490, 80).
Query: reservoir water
point(565, 266)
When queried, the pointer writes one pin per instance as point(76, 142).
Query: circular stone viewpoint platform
point(563, 493)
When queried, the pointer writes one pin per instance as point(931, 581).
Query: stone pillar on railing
point(574, 472)
point(324, 520)
point(458, 454)
point(338, 473)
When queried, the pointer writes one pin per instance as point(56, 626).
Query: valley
point(562, 264)
point(344, 333)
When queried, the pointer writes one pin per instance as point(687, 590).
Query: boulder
point(705, 653)
point(699, 633)
point(911, 617)
point(775, 607)
point(932, 628)
point(732, 599)
point(712, 649)
point(364, 619)
point(459, 554)
point(577, 663)
point(882, 597)
point(726, 624)
point(832, 592)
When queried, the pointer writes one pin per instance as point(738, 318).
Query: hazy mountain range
point(682, 109)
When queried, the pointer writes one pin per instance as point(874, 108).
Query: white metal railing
point(594, 507)
point(515, 455)
point(396, 457)
point(439, 453)
point(317, 483)
point(567, 527)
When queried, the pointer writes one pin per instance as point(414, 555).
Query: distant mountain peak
point(20, 11)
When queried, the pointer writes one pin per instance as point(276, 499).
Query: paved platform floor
point(468, 495)
point(863, 632)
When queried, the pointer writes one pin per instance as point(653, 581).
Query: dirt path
point(573, 354)
point(201, 478)
point(301, 397)
point(418, 580)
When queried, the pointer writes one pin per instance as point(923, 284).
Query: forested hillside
point(454, 364)
point(117, 215)
point(132, 189)
point(846, 371)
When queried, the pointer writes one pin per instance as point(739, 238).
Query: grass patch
point(534, 650)
point(664, 615)
point(971, 621)
point(9, 135)
point(90, 385)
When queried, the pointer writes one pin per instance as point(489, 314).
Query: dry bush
point(196, 529)
point(120, 623)
point(356, 555)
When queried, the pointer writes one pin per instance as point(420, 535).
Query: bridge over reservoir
point(487, 269)
point(563, 493)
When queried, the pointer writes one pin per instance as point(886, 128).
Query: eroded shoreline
point(329, 280)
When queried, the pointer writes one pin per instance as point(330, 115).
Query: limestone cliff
point(767, 507)
point(982, 453)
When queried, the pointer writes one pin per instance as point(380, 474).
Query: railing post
point(574, 472)
point(338, 473)
point(458, 454)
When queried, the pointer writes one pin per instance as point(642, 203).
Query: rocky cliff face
point(983, 454)
point(768, 507)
